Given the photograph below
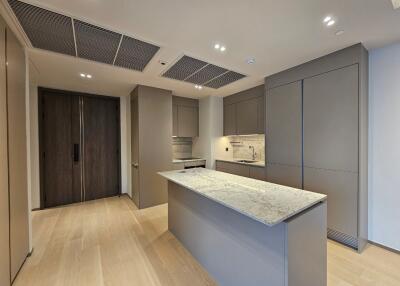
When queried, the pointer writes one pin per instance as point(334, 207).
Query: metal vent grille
point(206, 74)
point(45, 29)
point(95, 43)
point(135, 54)
point(225, 79)
point(184, 68)
point(343, 238)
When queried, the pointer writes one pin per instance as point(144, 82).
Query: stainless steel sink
point(246, 161)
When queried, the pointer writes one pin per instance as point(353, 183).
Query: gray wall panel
point(285, 175)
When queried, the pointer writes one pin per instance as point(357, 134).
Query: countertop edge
point(241, 163)
point(283, 219)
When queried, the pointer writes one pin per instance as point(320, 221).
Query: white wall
point(384, 146)
point(210, 144)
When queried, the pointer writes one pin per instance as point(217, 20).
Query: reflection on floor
point(110, 242)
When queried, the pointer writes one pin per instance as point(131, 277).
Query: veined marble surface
point(256, 164)
point(265, 202)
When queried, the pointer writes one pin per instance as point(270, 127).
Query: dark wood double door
point(79, 147)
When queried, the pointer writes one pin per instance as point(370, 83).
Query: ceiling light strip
point(73, 32)
point(215, 77)
point(196, 72)
point(116, 53)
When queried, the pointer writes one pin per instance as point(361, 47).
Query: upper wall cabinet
point(244, 112)
point(185, 117)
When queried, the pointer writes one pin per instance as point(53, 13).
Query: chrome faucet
point(254, 152)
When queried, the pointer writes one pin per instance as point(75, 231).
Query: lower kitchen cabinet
point(255, 172)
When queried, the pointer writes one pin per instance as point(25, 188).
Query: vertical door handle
point(76, 153)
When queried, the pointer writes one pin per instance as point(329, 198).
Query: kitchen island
point(249, 232)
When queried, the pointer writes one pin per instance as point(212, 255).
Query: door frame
point(41, 91)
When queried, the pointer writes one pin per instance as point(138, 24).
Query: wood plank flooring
point(110, 242)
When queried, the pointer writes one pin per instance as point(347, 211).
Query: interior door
point(4, 210)
point(17, 154)
point(284, 135)
point(101, 147)
point(58, 152)
point(135, 148)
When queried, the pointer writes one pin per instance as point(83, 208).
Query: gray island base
point(246, 232)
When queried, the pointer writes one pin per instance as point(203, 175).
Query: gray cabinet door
point(174, 120)
point(17, 155)
point(284, 125)
point(4, 199)
point(261, 115)
point(284, 135)
point(257, 173)
point(247, 117)
point(230, 119)
point(233, 168)
point(285, 175)
point(331, 120)
point(341, 189)
point(187, 121)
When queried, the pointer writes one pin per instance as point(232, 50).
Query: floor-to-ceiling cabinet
point(316, 136)
point(14, 215)
point(79, 147)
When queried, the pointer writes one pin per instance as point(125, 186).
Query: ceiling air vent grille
point(184, 68)
point(135, 54)
point(95, 43)
point(195, 71)
point(206, 74)
point(45, 29)
point(55, 32)
point(224, 79)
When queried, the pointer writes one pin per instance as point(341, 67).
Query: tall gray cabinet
point(151, 131)
point(14, 215)
point(317, 119)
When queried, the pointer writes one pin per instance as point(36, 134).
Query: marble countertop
point(265, 202)
point(257, 164)
point(185, 161)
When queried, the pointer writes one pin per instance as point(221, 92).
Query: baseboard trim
point(384, 247)
point(22, 265)
point(35, 209)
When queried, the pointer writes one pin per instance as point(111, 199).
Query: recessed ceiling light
point(222, 49)
point(198, 86)
point(89, 76)
point(338, 33)
point(251, 61)
point(327, 19)
point(82, 75)
point(330, 23)
point(216, 46)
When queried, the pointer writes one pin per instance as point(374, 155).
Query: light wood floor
point(110, 242)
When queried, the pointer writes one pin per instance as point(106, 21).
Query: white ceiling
point(278, 34)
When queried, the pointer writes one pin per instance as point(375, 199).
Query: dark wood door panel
point(101, 147)
point(56, 149)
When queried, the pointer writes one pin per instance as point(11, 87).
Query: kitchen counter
point(256, 164)
point(249, 232)
point(176, 161)
point(265, 202)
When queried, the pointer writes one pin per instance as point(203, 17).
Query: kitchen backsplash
point(181, 147)
point(240, 146)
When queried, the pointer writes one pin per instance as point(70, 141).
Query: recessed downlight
point(84, 75)
point(198, 86)
point(330, 23)
point(327, 19)
point(217, 46)
point(338, 33)
point(222, 49)
point(251, 61)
